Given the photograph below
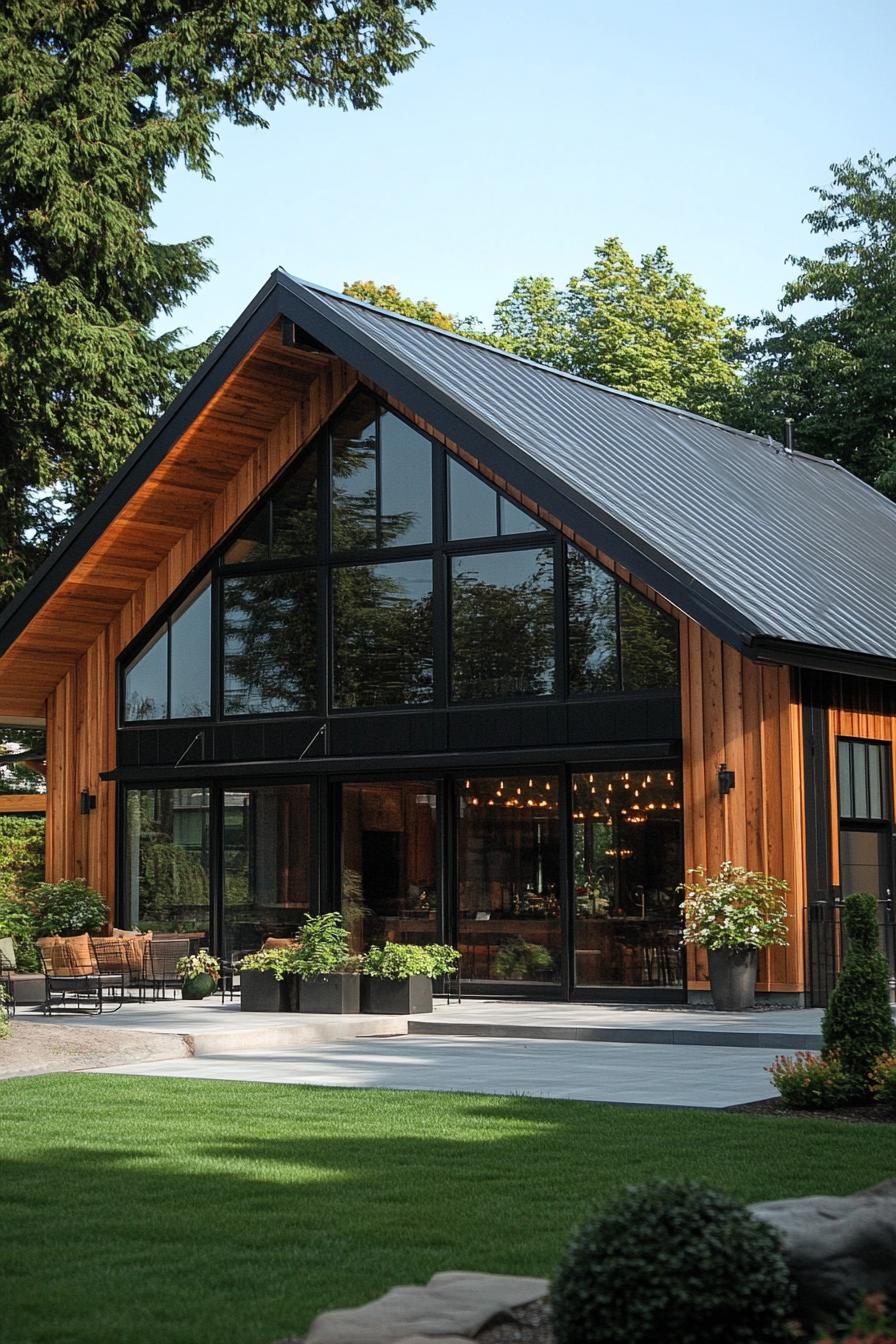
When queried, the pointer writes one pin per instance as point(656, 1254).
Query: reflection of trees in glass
point(592, 625)
point(270, 642)
point(379, 464)
point(649, 643)
point(294, 510)
point(383, 634)
point(502, 633)
point(171, 878)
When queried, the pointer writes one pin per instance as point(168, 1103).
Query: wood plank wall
point(81, 712)
point(733, 710)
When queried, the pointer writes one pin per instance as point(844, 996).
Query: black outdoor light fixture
point(87, 802)
point(726, 780)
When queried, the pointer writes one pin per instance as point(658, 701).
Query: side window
point(170, 678)
point(477, 509)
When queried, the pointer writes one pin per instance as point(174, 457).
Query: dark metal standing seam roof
point(785, 556)
point(801, 550)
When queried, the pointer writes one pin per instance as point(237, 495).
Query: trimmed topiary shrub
point(672, 1261)
point(67, 907)
point(858, 1023)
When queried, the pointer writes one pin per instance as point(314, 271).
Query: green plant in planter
point(280, 961)
point(737, 909)
point(322, 948)
point(858, 1023)
point(399, 961)
point(518, 959)
point(200, 972)
point(66, 908)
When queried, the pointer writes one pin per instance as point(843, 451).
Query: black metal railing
point(827, 943)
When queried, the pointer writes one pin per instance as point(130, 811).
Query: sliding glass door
point(267, 863)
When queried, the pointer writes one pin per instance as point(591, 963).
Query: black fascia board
point(459, 424)
point(663, 751)
point(136, 469)
point(867, 665)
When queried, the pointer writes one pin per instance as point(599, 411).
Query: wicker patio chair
point(160, 959)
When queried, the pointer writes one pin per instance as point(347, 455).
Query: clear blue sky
point(530, 131)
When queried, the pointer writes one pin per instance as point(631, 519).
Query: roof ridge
point(534, 363)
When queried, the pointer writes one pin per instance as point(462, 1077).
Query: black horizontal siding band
point(822, 659)
point(622, 753)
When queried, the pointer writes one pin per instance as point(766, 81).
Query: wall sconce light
point(87, 802)
point(726, 780)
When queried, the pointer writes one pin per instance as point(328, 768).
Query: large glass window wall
point(381, 571)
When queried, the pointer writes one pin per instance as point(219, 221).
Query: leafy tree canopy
point(97, 103)
point(830, 366)
point(637, 326)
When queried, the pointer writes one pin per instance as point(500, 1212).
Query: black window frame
point(324, 558)
point(194, 584)
point(851, 819)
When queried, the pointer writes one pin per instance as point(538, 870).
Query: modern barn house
point(384, 620)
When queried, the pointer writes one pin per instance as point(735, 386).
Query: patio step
point(775, 1038)
point(282, 1035)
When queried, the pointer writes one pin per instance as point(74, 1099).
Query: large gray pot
point(335, 993)
point(413, 995)
point(262, 992)
point(732, 978)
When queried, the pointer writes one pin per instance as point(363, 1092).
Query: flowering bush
point(199, 963)
point(736, 909)
point(883, 1080)
point(872, 1324)
point(810, 1082)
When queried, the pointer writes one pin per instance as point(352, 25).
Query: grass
point(140, 1209)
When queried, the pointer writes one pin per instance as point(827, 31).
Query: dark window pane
point(508, 871)
point(862, 768)
point(389, 862)
point(627, 864)
point(472, 504)
point(270, 643)
point(146, 682)
point(166, 862)
point(354, 514)
point(294, 505)
point(514, 520)
point(649, 643)
point(591, 597)
point(267, 868)
point(252, 541)
point(382, 634)
point(405, 484)
point(191, 627)
point(502, 624)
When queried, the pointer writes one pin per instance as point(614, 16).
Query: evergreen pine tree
point(858, 1021)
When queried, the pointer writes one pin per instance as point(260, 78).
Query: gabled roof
point(785, 556)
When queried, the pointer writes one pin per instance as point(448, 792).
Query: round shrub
point(672, 1261)
point(67, 907)
point(858, 1025)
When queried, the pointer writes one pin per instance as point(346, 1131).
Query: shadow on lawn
point(205, 1209)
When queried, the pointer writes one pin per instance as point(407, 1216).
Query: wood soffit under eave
point(225, 434)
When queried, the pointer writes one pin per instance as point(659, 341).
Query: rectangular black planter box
point(262, 992)
point(330, 994)
point(413, 995)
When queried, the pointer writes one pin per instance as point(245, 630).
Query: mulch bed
point(857, 1115)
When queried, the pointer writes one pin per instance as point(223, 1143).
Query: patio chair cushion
point(7, 954)
point(135, 951)
point(277, 942)
point(53, 954)
point(79, 954)
point(112, 954)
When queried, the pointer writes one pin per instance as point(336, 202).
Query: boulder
point(837, 1249)
point(456, 1305)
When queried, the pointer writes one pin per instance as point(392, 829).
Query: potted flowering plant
point(397, 978)
point(733, 915)
point(200, 973)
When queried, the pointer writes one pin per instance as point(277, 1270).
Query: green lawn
point(143, 1209)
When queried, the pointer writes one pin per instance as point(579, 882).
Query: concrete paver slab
point(648, 1075)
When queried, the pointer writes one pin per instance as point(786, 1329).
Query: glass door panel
point(627, 864)
point(389, 862)
point(508, 870)
point(166, 861)
point(267, 864)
